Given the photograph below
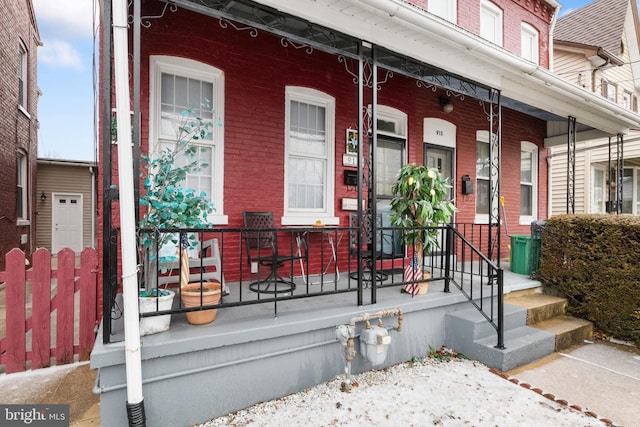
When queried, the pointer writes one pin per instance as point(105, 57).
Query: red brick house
point(460, 85)
point(19, 41)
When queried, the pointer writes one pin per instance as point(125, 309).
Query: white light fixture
point(446, 104)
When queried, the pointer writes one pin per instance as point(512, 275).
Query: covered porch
point(260, 347)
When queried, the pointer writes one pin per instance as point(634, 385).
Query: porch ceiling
point(411, 32)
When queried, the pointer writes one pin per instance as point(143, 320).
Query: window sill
point(216, 220)
point(24, 111)
point(23, 222)
point(304, 220)
point(527, 220)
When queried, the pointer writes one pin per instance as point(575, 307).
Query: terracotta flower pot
point(191, 298)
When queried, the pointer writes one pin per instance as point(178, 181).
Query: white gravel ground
point(428, 393)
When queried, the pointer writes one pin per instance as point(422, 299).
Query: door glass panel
point(598, 195)
point(441, 159)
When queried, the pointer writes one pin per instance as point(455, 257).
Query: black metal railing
point(312, 262)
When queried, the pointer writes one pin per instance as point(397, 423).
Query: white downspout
point(556, 14)
point(133, 363)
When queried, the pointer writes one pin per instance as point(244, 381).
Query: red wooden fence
point(45, 300)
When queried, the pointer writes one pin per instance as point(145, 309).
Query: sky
point(65, 76)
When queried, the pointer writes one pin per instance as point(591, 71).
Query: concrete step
point(521, 346)
point(568, 330)
point(469, 325)
point(539, 307)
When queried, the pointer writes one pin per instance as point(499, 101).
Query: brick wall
point(18, 129)
point(257, 71)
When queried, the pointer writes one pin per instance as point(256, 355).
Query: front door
point(442, 159)
point(439, 152)
point(67, 222)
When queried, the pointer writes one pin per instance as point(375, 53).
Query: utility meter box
point(374, 342)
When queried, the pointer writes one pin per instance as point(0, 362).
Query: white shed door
point(67, 222)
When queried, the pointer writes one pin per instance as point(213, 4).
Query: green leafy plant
point(444, 354)
point(420, 201)
point(167, 202)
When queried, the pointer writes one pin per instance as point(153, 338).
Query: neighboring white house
point(597, 47)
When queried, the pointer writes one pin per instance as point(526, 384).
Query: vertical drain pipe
point(133, 362)
point(346, 335)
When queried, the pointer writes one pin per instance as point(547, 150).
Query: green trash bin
point(520, 253)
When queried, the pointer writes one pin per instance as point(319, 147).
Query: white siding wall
point(573, 66)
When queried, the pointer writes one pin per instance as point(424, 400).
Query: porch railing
point(326, 261)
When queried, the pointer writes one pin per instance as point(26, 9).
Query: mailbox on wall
point(350, 177)
point(467, 185)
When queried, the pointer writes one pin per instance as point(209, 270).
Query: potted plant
point(155, 300)
point(420, 201)
point(169, 205)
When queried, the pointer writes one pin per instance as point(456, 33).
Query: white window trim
point(483, 136)
point(400, 119)
point(452, 10)
point(24, 166)
point(626, 99)
point(390, 114)
point(490, 8)
point(612, 91)
point(327, 215)
point(532, 148)
point(23, 104)
point(200, 71)
point(530, 35)
point(592, 186)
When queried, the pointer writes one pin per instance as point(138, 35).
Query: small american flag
point(413, 274)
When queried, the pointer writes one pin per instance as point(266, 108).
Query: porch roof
point(407, 30)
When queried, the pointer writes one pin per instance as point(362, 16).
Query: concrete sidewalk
point(70, 384)
point(602, 378)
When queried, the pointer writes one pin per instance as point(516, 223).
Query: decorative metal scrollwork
point(285, 42)
point(367, 73)
point(225, 23)
point(145, 21)
point(426, 85)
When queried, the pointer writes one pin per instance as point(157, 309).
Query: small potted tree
point(169, 205)
point(420, 201)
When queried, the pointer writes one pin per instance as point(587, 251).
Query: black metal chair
point(367, 251)
point(261, 239)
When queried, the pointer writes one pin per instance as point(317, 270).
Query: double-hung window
point(609, 90)
point(180, 90)
point(21, 190)
point(529, 43)
point(599, 194)
point(528, 182)
point(309, 157)
point(483, 182)
point(626, 99)
point(491, 22)
point(484, 178)
point(22, 77)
